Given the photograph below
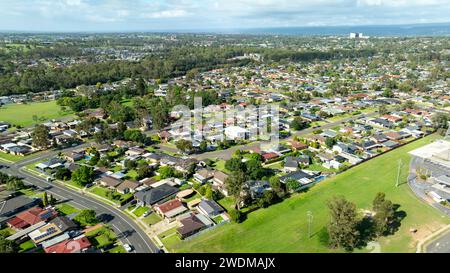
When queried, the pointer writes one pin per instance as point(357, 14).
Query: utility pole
point(398, 172)
point(310, 219)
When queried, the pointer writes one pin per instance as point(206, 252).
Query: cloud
point(190, 14)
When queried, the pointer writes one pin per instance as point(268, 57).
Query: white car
point(128, 248)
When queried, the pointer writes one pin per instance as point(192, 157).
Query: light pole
point(310, 219)
point(398, 172)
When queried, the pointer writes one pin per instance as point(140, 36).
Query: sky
point(163, 15)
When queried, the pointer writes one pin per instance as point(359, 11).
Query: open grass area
point(116, 249)
point(22, 114)
point(283, 227)
point(66, 209)
point(6, 231)
point(10, 157)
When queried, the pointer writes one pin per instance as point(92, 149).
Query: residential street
point(127, 230)
point(440, 245)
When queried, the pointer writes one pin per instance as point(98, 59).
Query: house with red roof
point(78, 245)
point(30, 217)
point(170, 209)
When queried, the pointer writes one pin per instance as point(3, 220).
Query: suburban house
point(127, 186)
point(13, 205)
point(203, 175)
point(76, 245)
point(170, 209)
point(30, 217)
point(193, 224)
point(209, 208)
point(151, 196)
point(109, 182)
point(218, 182)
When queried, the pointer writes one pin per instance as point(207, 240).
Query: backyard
point(283, 227)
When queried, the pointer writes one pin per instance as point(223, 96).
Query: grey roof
point(210, 207)
point(295, 175)
point(151, 196)
point(63, 223)
point(15, 204)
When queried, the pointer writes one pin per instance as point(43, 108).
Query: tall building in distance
point(355, 35)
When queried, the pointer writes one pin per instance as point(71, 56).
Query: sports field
point(22, 114)
point(283, 227)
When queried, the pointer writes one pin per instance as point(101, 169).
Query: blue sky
point(154, 15)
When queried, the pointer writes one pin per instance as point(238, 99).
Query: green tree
point(184, 145)
point(40, 136)
point(166, 172)
point(234, 184)
point(86, 217)
point(235, 215)
point(384, 214)
point(7, 246)
point(83, 175)
point(342, 228)
point(45, 199)
point(234, 164)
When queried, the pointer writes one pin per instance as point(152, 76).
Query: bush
point(235, 215)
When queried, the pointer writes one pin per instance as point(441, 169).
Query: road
point(440, 245)
point(128, 231)
point(421, 188)
point(228, 153)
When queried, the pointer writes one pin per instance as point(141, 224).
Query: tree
point(83, 175)
point(7, 246)
point(275, 184)
point(166, 172)
point(235, 215)
point(292, 185)
point(234, 184)
point(184, 145)
point(14, 183)
point(388, 93)
point(254, 169)
point(203, 146)
point(330, 141)
point(130, 164)
point(86, 217)
point(234, 164)
point(384, 214)
point(299, 124)
point(52, 200)
point(342, 228)
point(45, 199)
point(440, 121)
point(40, 136)
point(144, 171)
point(63, 174)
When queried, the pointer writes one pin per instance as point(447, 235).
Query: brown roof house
point(193, 224)
point(109, 182)
point(128, 186)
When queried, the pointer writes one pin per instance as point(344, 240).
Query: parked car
point(128, 248)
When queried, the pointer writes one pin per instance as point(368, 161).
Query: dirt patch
point(424, 231)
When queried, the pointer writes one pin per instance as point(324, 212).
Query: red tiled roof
point(170, 205)
point(69, 246)
point(31, 216)
point(269, 156)
point(17, 223)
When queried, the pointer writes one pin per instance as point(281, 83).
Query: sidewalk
point(422, 244)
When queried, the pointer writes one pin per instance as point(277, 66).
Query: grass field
point(22, 114)
point(283, 227)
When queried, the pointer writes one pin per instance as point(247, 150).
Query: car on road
point(128, 248)
point(49, 179)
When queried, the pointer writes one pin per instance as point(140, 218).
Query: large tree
point(83, 175)
point(235, 184)
point(86, 217)
point(342, 228)
point(384, 214)
point(7, 246)
point(40, 136)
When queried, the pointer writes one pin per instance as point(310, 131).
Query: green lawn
point(102, 237)
point(117, 249)
point(152, 219)
point(283, 227)
point(27, 245)
point(22, 114)
point(66, 209)
point(11, 157)
point(141, 210)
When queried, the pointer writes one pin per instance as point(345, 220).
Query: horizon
point(181, 15)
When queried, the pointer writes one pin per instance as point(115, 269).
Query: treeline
point(293, 55)
point(174, 62)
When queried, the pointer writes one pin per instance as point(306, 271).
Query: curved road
point(128, 231)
